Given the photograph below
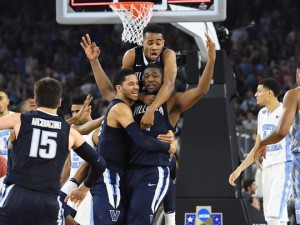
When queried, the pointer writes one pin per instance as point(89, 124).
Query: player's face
point(85, 116)
point(152, 45)
point(130, 88)
point(262, 95)
point(152, 80)
point(30, 105)
point(4, 102)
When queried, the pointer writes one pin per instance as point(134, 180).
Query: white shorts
point(277, 181)
point(83, 215)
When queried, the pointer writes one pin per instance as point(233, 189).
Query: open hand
point(90, 48)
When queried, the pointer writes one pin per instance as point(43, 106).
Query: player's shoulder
point(293, 92)
point(130, 51)
point(262, 111)
point(168, 55)
point(120, 108)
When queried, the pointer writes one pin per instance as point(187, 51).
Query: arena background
point(33, 45)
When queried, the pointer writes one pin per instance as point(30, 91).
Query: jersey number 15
point(45, 146)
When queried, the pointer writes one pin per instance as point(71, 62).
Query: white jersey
point(76, 161)
point(267, 122)
point(4, 136)
point(84, 209)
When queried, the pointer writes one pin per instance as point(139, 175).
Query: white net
point(135, 16)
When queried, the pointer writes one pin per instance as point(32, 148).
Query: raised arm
point(92, 52)
point(167, 88)
point(89, 126)
point(185, 100)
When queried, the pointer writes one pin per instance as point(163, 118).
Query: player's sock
point(170, 218)
point(283, 223)
point(273, 221)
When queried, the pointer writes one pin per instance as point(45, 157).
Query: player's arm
point(187, 99)
point(87, 153)
point(81, 173)
point(89, 126)
point(290, 108)
point(128, 59)
point(95, 136)
point(246, 163)
point(167, 88)
point(123, 115)
point(12, 137)
point(65, 174)
point(85, 108)
point(11, 121)
point(92, 52)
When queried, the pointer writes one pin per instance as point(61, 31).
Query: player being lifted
point(144, 164)
point(152, 50)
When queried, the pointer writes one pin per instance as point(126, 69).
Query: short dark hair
point(298, 65)
point(247, 183)
point(156, 66)
point(20, 106)
point(120, 75)
point(153, 28)
point(78, 99)
point(271, 84)
point(48, 92)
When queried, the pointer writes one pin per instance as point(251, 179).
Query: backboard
point(165, 11)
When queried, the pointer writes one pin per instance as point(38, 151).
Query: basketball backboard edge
point(65, 16)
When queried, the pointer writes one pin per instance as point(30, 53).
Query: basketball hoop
point(135, 16)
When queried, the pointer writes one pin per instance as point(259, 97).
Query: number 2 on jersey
point(39, 145)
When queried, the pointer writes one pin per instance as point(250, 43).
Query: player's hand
point(85, 107)
point(77, 195)
point(148, 99)
point(168, 137)
point(235, 175)
point(90, 48)
point(262, 150)
point(147, 119)
point(173, 147)
point(211, 48)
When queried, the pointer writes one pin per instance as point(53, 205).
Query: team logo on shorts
point(114, 215)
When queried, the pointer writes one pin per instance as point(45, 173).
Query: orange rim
point(126, 5)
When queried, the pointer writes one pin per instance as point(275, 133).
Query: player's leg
point(169, 205)
point(279, 192)
point(108, 206)
point(170, 198)
point(148, 186)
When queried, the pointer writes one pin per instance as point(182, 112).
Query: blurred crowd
point(33, 45)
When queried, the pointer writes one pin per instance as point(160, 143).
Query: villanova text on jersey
point(141, 109)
